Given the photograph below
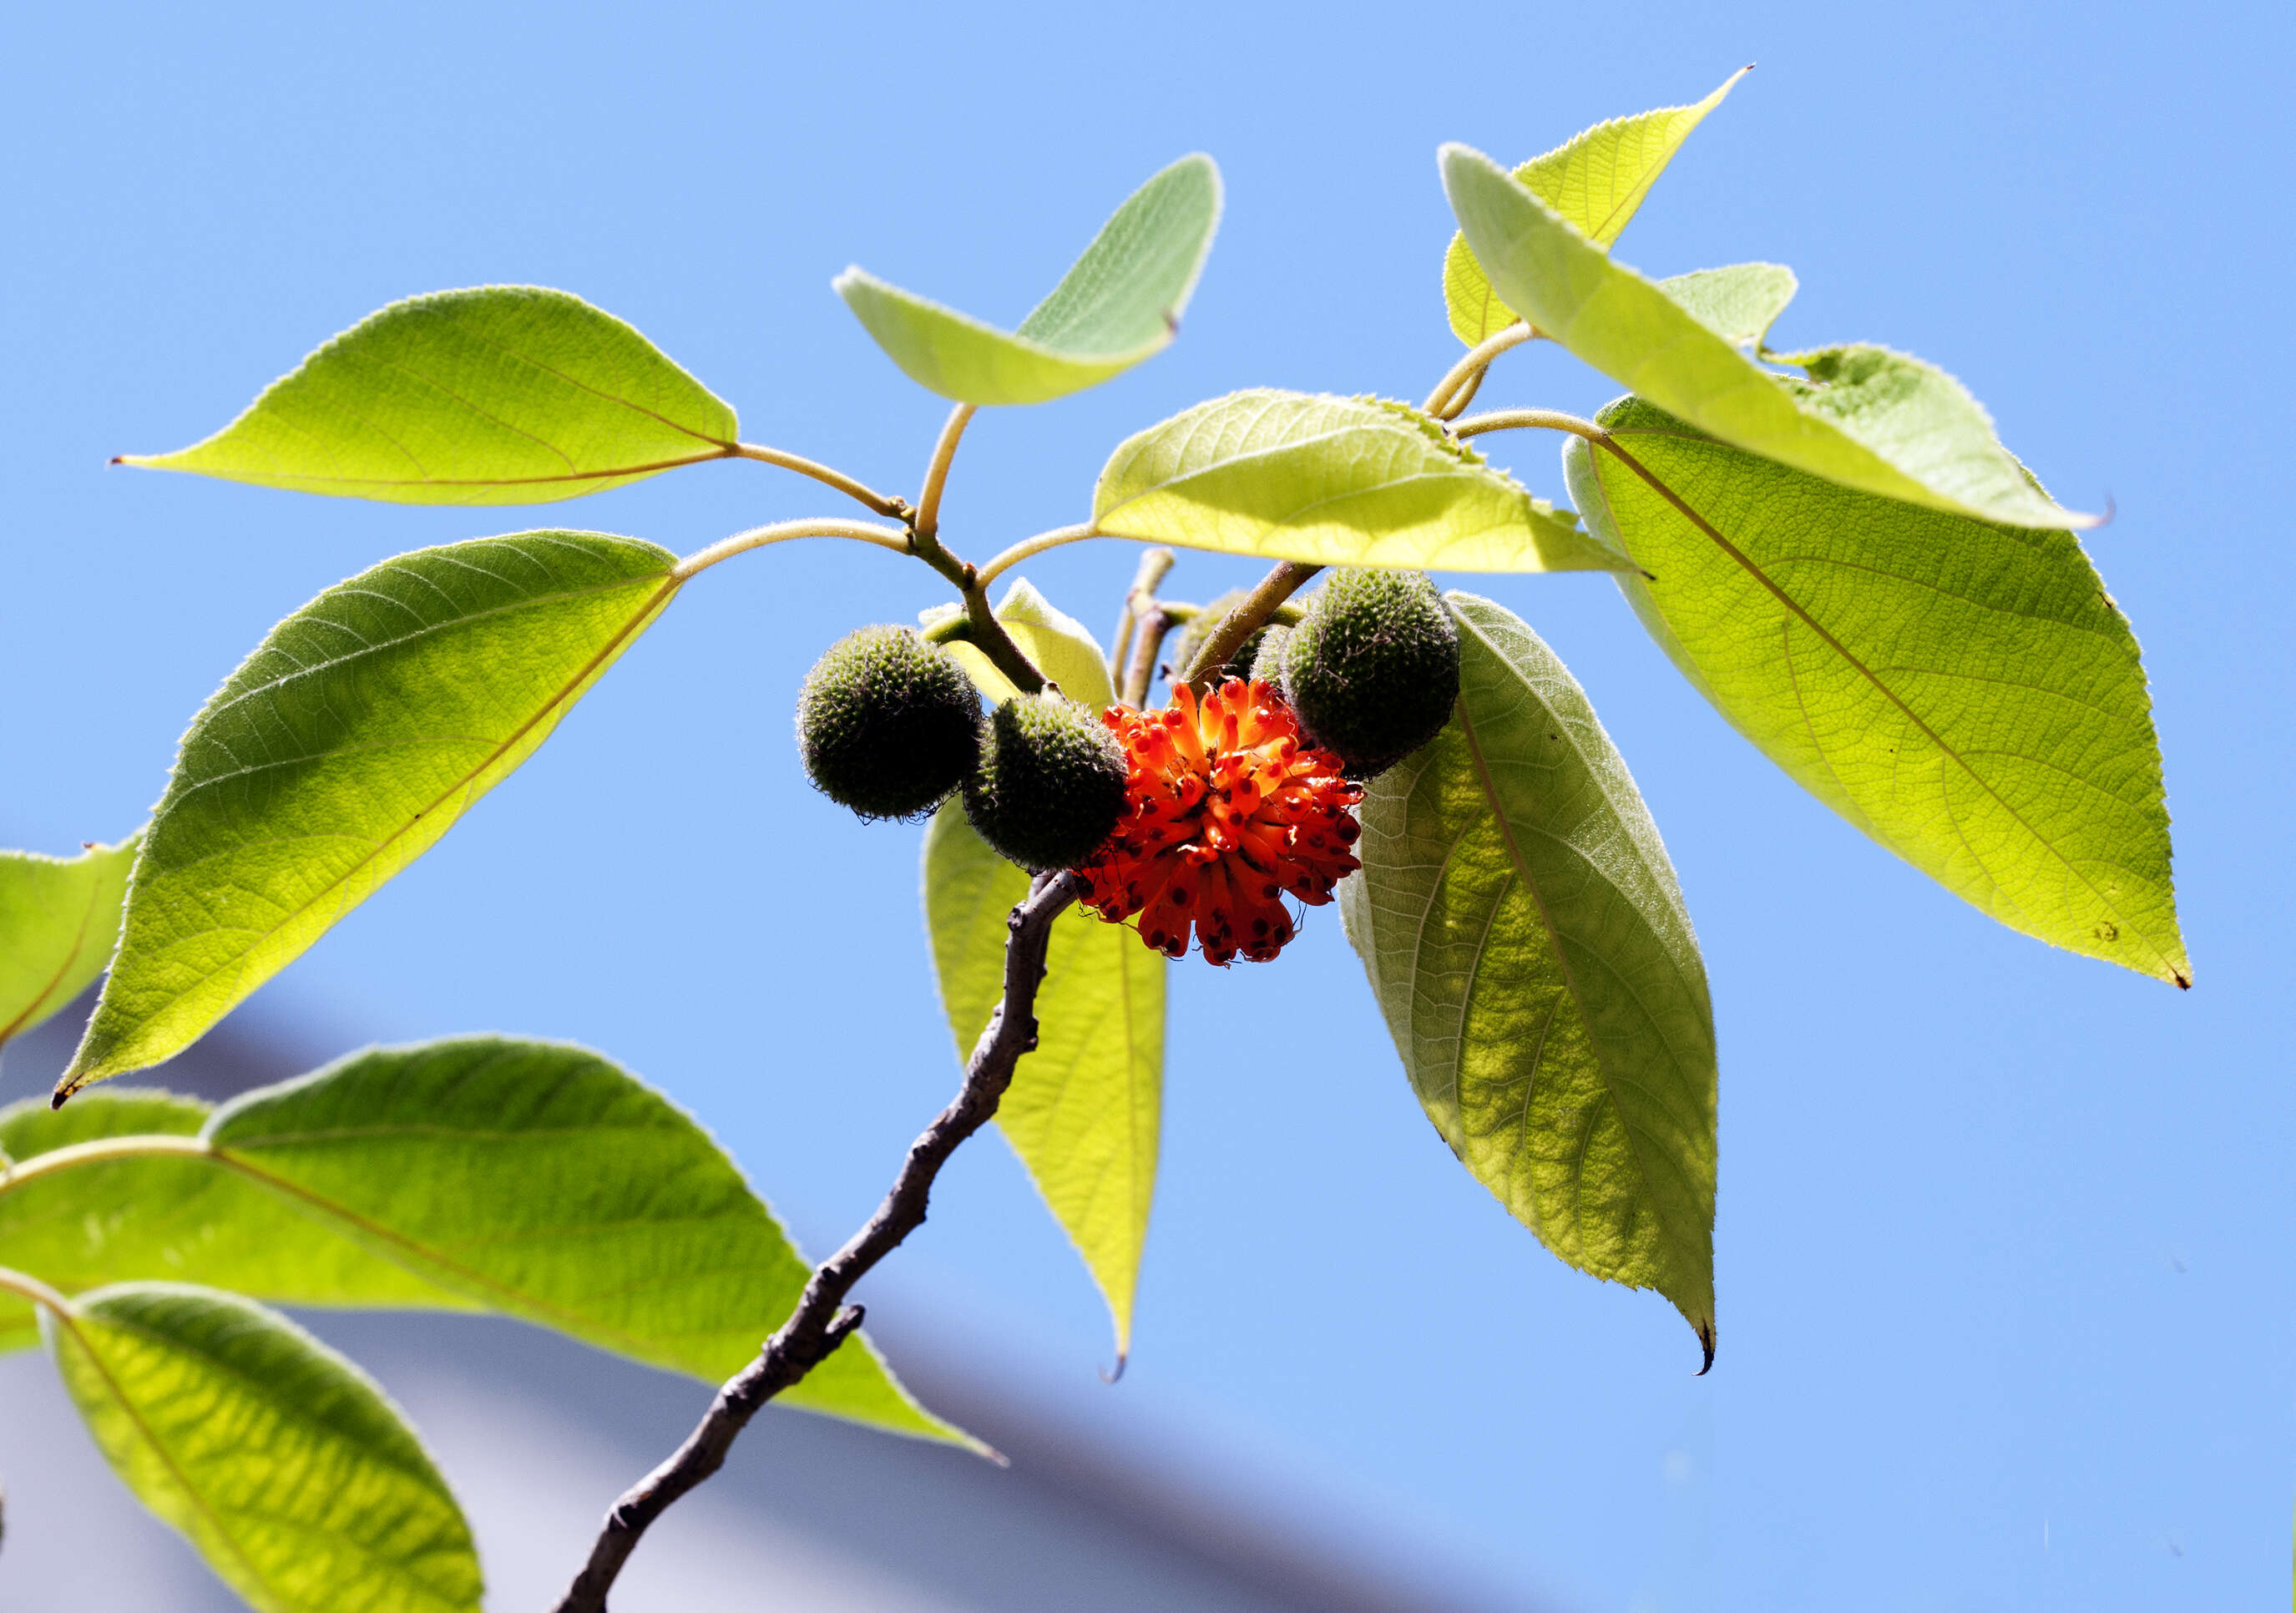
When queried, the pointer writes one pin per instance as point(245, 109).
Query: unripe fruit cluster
point(889, 725)
point(1372, 668)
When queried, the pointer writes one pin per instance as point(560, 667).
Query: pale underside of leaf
point(1966, 693)
point(1332, 482)
point(284, 1464)
point(1904, 430)
point(1084, 1108)
point(345, 747)
point(1598, 179)
point(1527, 941)
point(496, 394)
point(1738, 302)
point(1118, 304)
point(59, 920)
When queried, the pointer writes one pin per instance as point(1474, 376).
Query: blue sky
point(2007, 1240)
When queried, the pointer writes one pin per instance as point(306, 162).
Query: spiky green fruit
point(888, 724)
point(1048, 787)
point(1372, 668)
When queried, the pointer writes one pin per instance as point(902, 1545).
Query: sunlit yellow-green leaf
point(1965, 692)
point(282, 1461)
point(1118, 304)
point(1738, 302)
point(59, 919)
point(360, 732)
point(1056, 644)
point(1596, 179)
point(1083, 1108)
point(498, 395)
point(1346, 481)
point(1880, 423)
point(1526, 938)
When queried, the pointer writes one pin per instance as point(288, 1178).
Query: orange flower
point(1228, 813)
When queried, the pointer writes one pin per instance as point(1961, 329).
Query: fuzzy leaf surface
point(1343, 481)
point(1527, 941)
point(1055, 642)
point(1965, 692)
point(497, 395)
point(1887, 423)
point(1118, 304)
point(58, 919)
point(1597, 180)
point(1084, 1108)
point(283, 1463)
point(360, 731)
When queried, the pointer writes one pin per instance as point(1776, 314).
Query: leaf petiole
point(1447, 399)
point(884, 503)
point(1027, 548)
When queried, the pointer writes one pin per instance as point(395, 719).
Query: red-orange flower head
point(1227, 812)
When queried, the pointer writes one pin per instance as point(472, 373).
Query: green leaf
point(1738, 303)
point(1966, 693)
point(342, 750)
point(1060, 646)
point(543, 1181)
point(151, 1211)
point(1893, 425)
point(283, 1463)
point(1346, 481)
point(59, 920)
point(1528, 943)
point(500, 395)
point(1597, 180)
point(1118, 304)
point(531, 1178)
point(1083, 1108)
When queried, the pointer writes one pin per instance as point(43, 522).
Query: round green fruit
point(1267, 664)
point(888, 724)
point(1372, 668)
point(1048, 787)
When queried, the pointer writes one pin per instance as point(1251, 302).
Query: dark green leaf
point(1528, 943)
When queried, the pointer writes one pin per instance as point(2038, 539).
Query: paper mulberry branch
point(822, 1320)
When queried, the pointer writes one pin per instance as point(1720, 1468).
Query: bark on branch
point(822, 1320)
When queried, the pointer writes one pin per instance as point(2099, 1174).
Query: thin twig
point(1219, 647)
point(885, 538)
point(1478, 357)
point(952, 431)
point(822, 1321)
point(884, 503)
point(1155, 622)
point(1028, 547)
point(1518, 420)
point(1155, 566)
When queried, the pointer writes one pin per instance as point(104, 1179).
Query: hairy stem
point(884, 503)
point(894, 538)
point(1246, 620)
point(952, 433)
point(1439, 402)
point(822, 1320)
point(1029, 546)
point(25, 1286)
point(1155, 621)
point(1541, 420)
